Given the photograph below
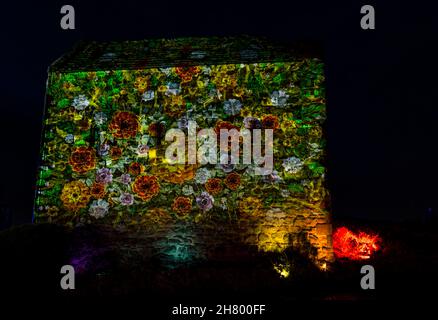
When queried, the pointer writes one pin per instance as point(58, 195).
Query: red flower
point(82, 159)
point(135, 168)
point(232, 181)
point(97, 190)
point(186, 73)
point(228, 126)
point(124, 125)
point(214, 186)
point(115, 152)
point(146, 187)
point(182, 205)
point(270, 122)
point(224, 125)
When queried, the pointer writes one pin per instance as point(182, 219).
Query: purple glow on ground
point(82, 259)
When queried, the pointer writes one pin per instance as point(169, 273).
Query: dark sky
point(382, 114)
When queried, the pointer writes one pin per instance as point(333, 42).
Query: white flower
point(172, 88)
point(166, 71)
point(98, 209)
point(142, 150)
point(126, 199)
point(279, 98)
point(100, 118)
point(202, 175)
point(80, 102)
point(187, 190)
point(148, 95)
point(314, 149)
point(70, 138)
point(292, 165)
point(232, 106)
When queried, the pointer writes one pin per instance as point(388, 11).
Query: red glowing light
point(349, 245)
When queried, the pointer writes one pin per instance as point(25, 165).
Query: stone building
point(109, 106)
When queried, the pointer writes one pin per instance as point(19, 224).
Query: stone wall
point(103, 146)
point(307, 231)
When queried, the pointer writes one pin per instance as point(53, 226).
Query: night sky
point(382, 112)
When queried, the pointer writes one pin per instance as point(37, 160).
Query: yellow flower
point(315, 132)
point(75, 195)
point(174, 106)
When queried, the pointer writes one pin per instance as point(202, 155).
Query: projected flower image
point(104, 144)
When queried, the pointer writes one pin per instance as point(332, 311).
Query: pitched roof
point(157, 53)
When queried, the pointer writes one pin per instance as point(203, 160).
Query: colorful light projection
point(354, 246)
point(178, 246)
point(110, 105)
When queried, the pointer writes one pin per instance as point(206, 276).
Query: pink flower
point(126, 199)
point(104, 176)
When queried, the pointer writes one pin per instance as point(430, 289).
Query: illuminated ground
point(112, 264)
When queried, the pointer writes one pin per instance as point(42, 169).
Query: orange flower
point(146, 187)
point(141, 84)
point(270, 122)
point(75, 195)
point(214, 186)
point(97, 190)
point(124, 125)
point(186, 73)
point(232, 180)
point(82, 159)
point(224, 125)
point(182, 205)
point(135, 168)
point(115, 152)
